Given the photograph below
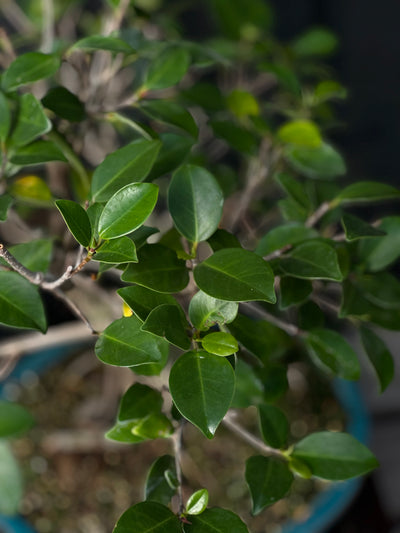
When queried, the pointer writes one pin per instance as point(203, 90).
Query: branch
point(287, 327)
point(48, 26)
point(318, 214)
point(177, 440)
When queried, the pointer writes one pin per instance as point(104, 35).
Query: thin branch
point(290, 329)
point(177, 440)
point(48, 26)
point(318, 214)
point(34, 277)
point(74, 308)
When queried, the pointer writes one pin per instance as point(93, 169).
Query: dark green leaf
point(31, 121)
point(285, 76)
point(34, 255)
point(315, 42)
point(197, 503)
point(234, 17)
point(123, 343)
point(274, 425)
point(334, 456)
point(235, 274)
point(223, 239)
point(202, 387)
point(174, 150)
point(328, 90)
point(77, 221)
point(157, 488)
point(236, 136)
point(127, 209)
point(20, 303)
point(5, 117)
point(293, 291)
point(377, 254)
point(139, 401)
point(140, 235)
point(64, 104)
point(205, 311)
point(381, 289)
point(355, 228)
point(300, 133)
point(36, 153)
point(366, 191)
point(127, 165)
point(158, 269)
point(28, 68)
point(142, 301)
point(269, 480)
point(215, 520)
point(294, 188)
point(168, 68)
point(148, 517)
point(322, 163)
point(220, 343)
point(6, 201)
point(379, 356)
point(102, 42)
point(284, 235)
point(169, 321)
point(310, 316)
point(274, 380)
point(249, 388)
point(329, 348)
point(170, 113)
point(120, 250)
point(14, 419)
point(11, 489)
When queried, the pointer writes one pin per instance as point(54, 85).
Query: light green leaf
point(377, 254)
point(168, 68)
point(365, 191)
point(158, 269)
point(220, 343)
point(127, 209)
point(5, 117)
point(269, 480)
point(116, 251)
point(142, 300)
point(14, 419)
point(379, 356)
point(102, 42)
point(169, 322)
point(322, 163)
point(31, 121)
point(284, 235)
point(195, 202)
point(205, 311)
point(129, 164)
point(148, 517)
point(20, 303)
point(123, 343)
point(202, 387)
point(64, 104)
point(28, 68)
point(157, 488)
point(197, 503)
point(274, 425)
point(237, 275)
point(11, 490)
point(170, 113)
point(6, 201)
point(329, 348)
point(215, 520)
point(355, 228)
point(77, 221)
point(242, 103)
point(36, 153)
point(300, 133)
point(334, 456)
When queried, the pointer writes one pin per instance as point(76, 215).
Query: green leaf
point(123, 343)
point(11, 490)
point(20, 303)
point(242, 103)
point(284, 235)
point(140, 235)
point(102, 42)
point(158, 269)
point(298, 467)
point(34, 255)
point(14, 419)
point(379, 356)
point(322, 163)
point(269, 480)
point(120, 250)
point(215, 520)
point(300, 133)
point(329, 348)
point(77, 221)
point(28, 68)
point(249, 388)
point(205, 311)
point(139, 401)
point(236, 275)
point(294, 188)
point(153, 426)
point(64, 104)
point(168, 68)
point(5, 117)
point(328, 90)
point(148, 517)
point(202, 387)
point(220, 343)
point(293, 291)
point(32, 190)
point(274, 425)
point(223, 239)
point(174, 150)
point(6, 201)
point(315, 42)
point(365, 191)
point(195, 201)
point(129, 164)
point(334, 456)
point(355, 228)
point(127, 209)
point(142, 301)
point(236, 136)
point(170, 113)
point(313, 259)
point(157, 488)
point(31, 121)
point(197, 503)
point(377, 254)
point(168, 321)
point(36, 153)
point(381, 289)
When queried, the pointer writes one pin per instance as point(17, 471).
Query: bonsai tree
point(197, 179)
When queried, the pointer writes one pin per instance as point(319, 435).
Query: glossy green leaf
point(102, 42)
point(206, 311)
point(6, 201)
point(152, 369)
point(300, 133)
point(334, 456)
point(14, 419)
point(377, 254)
point(242, 103)
point(11, 489)
point(294, 188)
point(139, 401)
point(313, 259)
point(64, 104)
point(148, 517)
point(157, 487)
point(379, 356)
point(5, 117)
point(293, 291)
point(168, 68)
point(170, 113)
point(77, 221)
point(142, 300)
point(202, 387)
point(274, 425)
point(236, 275)
point(122, 432)
point(20, 303)
point(130, 164)
point(215, 520)
point(168, 321)
point(123, 343)
point(36, 153)
point(28, 68)
point(34, 255)
point(329, 348)
point(284, 235)
point(355, 228)
point(195, 202)
point(322, 163)
point(315, 42)
point(32, 190)
point(153, 426)
point(116, 251)
point(220, 343)
point(31, 121)
point(127, 209)
point(197, 503)
point(269, 480)
point(140, 235)
point(158, 269)
point(223, 239)
point(249, 388)
point(366, 191)
point(174, 151)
